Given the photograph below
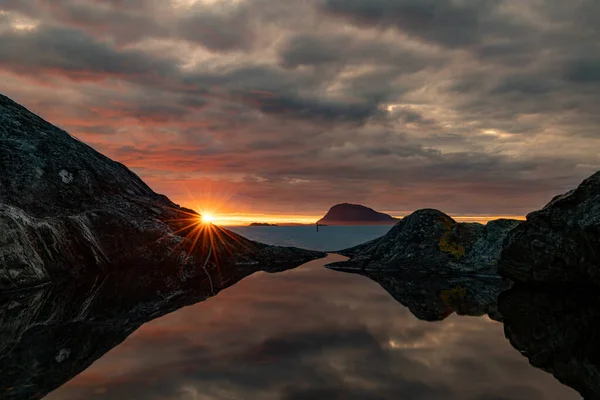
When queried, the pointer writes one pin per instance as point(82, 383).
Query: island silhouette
point(355, 214)
point(262, 224)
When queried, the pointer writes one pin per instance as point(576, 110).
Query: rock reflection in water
point(558, 331)
point(434, 299)
point(51, 334)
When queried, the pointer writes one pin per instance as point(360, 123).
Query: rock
point(558, 331)
point(50, 334)
point(434, 299)
point(355, 214)
point(429, 241)
point(67, 209)
point(559, 243)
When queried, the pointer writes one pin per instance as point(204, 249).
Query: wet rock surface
point(429, 241)
point(559, 243)
point(49, 335)
point(558, 330)
point(66, 209)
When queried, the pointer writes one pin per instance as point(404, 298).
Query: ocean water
point(305, 333)
point(329, 238)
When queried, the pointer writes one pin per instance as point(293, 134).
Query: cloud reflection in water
point(312, 333)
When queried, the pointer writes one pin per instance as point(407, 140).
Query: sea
point(313, 333)
point(327, 238)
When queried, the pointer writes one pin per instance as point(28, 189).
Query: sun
point(207, 218)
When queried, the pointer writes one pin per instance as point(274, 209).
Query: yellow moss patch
point(453, 296)
point(447, 245)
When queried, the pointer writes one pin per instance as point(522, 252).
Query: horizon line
point(244, 219)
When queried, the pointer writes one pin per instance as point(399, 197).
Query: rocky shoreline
point(559, 244)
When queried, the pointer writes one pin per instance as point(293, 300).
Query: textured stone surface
point(558, 331)
point(559, 243)
point(49, 335)
point(66, 209)
point(429, 241)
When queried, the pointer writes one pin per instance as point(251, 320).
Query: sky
point(285, 107)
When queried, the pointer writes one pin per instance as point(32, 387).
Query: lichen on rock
point(452, 296)
point(447, 244)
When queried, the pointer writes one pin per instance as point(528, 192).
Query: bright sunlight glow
point(207, 218)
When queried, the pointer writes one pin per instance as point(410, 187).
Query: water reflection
point(51, 334)
point(308, 333)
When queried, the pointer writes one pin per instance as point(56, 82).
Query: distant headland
point(355, 214)
point(261, 224)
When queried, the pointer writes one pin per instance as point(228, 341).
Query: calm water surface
point(329, 238)
point(311, 333)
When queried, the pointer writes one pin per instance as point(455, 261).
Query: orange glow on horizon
point(237, 219)
point(243, 219)
point(217, 206)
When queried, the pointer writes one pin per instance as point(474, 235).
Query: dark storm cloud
point(71, 52)
point(58, 47)
point(507, 53)
point(446, 22)
point(315, 50)
point(122, 21)
point(127, 22)
point(411, 116)
point(257, 77)
point(217, 32)
point(583, 71)
point(310, 109)
point(398, 151)
point(525, 84)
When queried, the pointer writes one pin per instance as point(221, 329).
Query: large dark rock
point(355, 214)
point(65, 209)
point(559, 243)
point(50, 334)
point(558, 330)
point(429, 241)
